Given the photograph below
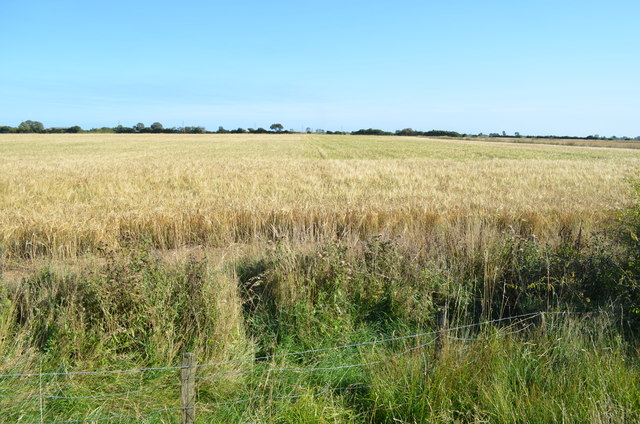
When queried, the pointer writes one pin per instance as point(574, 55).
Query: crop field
point(318, 279)
point(63, 195)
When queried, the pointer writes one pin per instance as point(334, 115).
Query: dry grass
point(618, 144)
point(65, 195)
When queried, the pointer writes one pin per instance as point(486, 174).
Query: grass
point(138, 311)
point(617, 144)
point(126, 251)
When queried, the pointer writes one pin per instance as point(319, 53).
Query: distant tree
point(105, 130)
point(6, 129)
point(517, 134)
point(221, 130)
point(406, 131)
point(31, 127)
point(504, 133)
point(276, 127)
point(371, 131)
point(156, 127)
point(73, 130)
point(441, 133)
point(320, 131)
point(139, 127)
point(308, 131)
point(261, 130)
point(123, 130)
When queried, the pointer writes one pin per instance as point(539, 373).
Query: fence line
point(475, 339)
point(54, 374)
point(204, 405)
point(438, 333)
point(280, 355)
point(310, 369)
point(373, 342)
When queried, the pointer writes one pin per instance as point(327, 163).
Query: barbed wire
point(472, 339)
point(260, 358)
point(438, 333)
point(371, 342)
point(204, 405)
point(312, 369)
point(102, 372)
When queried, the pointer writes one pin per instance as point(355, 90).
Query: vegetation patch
point(401, 312)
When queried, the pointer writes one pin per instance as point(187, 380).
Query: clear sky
point(537, 67)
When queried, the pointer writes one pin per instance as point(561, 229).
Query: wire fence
point(280, 355)
point(518, 324)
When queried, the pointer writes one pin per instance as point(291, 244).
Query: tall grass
point(577, 371)
point(137, 310)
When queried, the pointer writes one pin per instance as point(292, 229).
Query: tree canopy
point(276, 127)
point(31, 127)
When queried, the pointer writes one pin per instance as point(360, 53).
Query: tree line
point(277, 128)
point(37, 127)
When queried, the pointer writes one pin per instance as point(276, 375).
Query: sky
point(539, 67)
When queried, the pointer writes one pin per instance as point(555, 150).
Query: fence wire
point(309, 369)
point(437, 333)
point(279, 355)
point(371, 342)
point(209, 405)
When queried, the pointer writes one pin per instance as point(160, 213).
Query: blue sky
point(536, 66)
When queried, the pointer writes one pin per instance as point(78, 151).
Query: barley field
point(65, 195)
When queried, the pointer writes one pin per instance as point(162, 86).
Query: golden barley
point(64, 195)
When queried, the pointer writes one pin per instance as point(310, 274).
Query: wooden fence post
point(441, 324)
point(188, 372)
point(543, 323)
